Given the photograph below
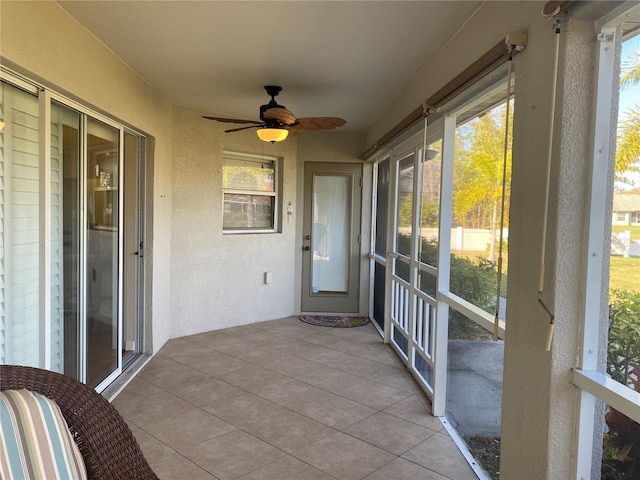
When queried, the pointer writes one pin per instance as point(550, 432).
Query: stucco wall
point(217, 279)
point(41, 41)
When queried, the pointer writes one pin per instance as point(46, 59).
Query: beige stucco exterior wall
point(41, 41)
point(217, 280)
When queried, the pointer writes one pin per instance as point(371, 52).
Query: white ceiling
point(348, 59)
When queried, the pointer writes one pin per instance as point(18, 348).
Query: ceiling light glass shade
point(272, 134)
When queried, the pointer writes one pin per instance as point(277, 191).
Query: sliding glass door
point(102, 232)
point(68, 247)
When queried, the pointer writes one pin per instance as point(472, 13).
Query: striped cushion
point(35, 441)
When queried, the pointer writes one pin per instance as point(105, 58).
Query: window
point(250, 187)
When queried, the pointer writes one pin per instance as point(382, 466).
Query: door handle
point(307, 237)
point(306, 248)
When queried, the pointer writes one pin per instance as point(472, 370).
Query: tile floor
point(283, 400)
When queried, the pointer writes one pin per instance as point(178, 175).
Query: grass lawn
point(625, 274)
point(635, 230)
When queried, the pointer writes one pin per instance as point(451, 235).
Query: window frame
point(595, 385)
point(275, 194)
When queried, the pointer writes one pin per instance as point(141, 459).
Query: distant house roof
point(626, 202)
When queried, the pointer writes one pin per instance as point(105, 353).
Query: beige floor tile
point(232, 455)
point(178, 346)
point(401, 469)
point(329, 357)
point(252, 378)
point(440, 454)
point(173, 373)
point(184, 430)
point(328, 378)
point(230, 345)
point(262, 337)
point(335, 411)
point(398, 378)
point(185, 352)
point(374, 394)
point(207, 391)
point(231, 403)
point(244, 409)
point(390, 433)
point(141, 411)
point(361, 367)
point(290, 365)
point(220, 364)
point(344, 457)
point(291, 393)
point(413, 410)
point(254, 354)
point(151, 447)
point(289, 431)
point(176, 467)
point(287, 468)
point(178, 382)
point(138, 387)
point(295, 346)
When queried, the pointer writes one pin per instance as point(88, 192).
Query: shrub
point(621, 456)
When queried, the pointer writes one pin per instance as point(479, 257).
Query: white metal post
point(444, 261)
point(588, 358)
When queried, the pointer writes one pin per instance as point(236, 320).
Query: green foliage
point(628, 144)
point(624, 335)
point(621, 455)
point(478, 170)
point(430, 214)
point(472, 279)
point(628, 137)
point(405, 211)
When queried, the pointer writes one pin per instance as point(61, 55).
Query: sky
point(630, 97)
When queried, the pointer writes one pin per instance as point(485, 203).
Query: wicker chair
point(109, 449)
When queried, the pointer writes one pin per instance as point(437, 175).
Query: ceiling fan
point(276, 122)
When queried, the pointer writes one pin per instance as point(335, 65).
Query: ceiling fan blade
point(280, 114)
point(231, 120)
point(319, 123)
point(244, 128)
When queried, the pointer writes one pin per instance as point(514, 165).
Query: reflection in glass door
point(65, 244)
point(102, 241)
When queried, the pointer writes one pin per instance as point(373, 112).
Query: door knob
point(307, 237)
point(306, 248)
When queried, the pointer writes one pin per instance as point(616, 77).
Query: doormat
point(334, 321)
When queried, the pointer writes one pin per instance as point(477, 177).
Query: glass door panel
point(381, 232)
point(404, 207)
point(65, 240)
point(102, 242)
point(330, 232)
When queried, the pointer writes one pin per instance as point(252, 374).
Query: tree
point(628, 136)
point(479, 172)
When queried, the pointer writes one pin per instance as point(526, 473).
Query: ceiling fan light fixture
point(272, 134)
